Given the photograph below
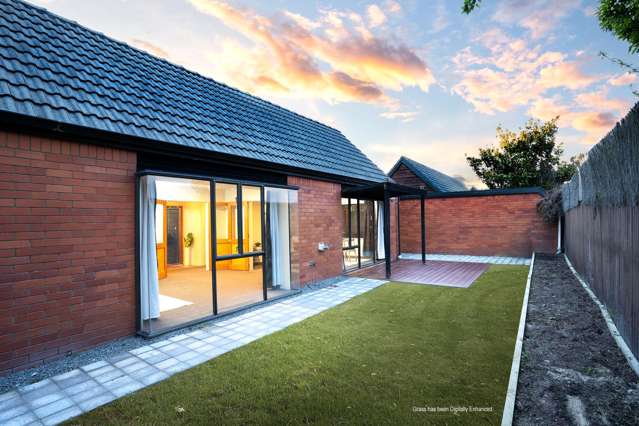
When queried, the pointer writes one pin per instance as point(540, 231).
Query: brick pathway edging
point(54, 400)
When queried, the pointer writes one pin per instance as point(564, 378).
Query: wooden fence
point(603, 245)
point(601, 232)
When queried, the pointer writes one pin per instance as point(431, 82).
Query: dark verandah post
point(421, 208)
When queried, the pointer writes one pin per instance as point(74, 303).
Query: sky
point(396, 77)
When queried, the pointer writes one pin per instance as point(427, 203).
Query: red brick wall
point(506, 225)
point(320, 220)
point(66, 247)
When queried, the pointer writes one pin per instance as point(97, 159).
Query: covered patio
point(383, 192)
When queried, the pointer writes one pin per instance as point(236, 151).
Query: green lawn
point(370, 360)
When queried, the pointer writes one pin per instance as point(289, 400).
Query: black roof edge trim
point(50, 128)
point(482, 193)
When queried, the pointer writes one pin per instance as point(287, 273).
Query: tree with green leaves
point(529, 157)
point(621, 17)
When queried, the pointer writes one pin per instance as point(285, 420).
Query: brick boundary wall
point(320, 220)
point(496, 225)
point(66, 247)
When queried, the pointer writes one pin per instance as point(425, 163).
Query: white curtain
point(277, 200)
point(381, 253)
point(149, 286)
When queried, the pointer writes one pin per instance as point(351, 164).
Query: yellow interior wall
point(193, 220)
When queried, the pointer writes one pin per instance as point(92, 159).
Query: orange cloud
point(592, 113)
point(565, 74)
point(336, 57)
point(623, 79)
point(150, 48)
point(512, 74)
point(601, 100)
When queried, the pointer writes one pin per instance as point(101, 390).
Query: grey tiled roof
point(435, 179)
point(55, 69)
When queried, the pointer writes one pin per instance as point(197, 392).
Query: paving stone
point(54, 407)
point(96, 401)
point(109, 376)
point(71, 378)
point(186, 356)
point(154, 378)
point(61, 416)
point(94, 366)
point(126, 361)
point(134, 367)
point(23, 419)
point(141, 350)
point(81, 388)
point(15, 411)
point(10, 400)
point(94, 390)
point(102, 370)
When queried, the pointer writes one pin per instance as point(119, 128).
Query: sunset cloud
point(392, 6)
point(593, 113)
point(538, 17)
point(509, 73)
point(403, 116)
point(565, 74)
point(376, 16)
point(150, 47)
point(336, 57)
point(623, 79)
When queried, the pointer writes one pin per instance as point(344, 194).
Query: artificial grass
point(370, 360)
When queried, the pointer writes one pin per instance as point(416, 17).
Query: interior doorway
point(173, 235)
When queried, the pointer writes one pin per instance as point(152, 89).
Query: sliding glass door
point(196, 262)
point(362, 232)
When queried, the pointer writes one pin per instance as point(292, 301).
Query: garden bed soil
point(572, 371)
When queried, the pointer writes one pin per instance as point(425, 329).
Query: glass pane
point(282, 240)
point(367, 225)
point(239, 282)
point(294, 231)
point(346, 242)
point(350, 258)
point(252, 220)
point(175, 272)
point(226, 219)
point(353, 218)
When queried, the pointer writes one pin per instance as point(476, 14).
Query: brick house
point(139, 197)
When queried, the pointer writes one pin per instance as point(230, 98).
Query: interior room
point(176, 272)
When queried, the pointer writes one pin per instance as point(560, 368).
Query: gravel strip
point(115, 347)
point(572, 371)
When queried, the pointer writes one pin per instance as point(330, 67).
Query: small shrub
point(550, 205)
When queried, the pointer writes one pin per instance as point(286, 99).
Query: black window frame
point(213, 238)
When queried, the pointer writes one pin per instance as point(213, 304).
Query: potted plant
point(188, 243)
